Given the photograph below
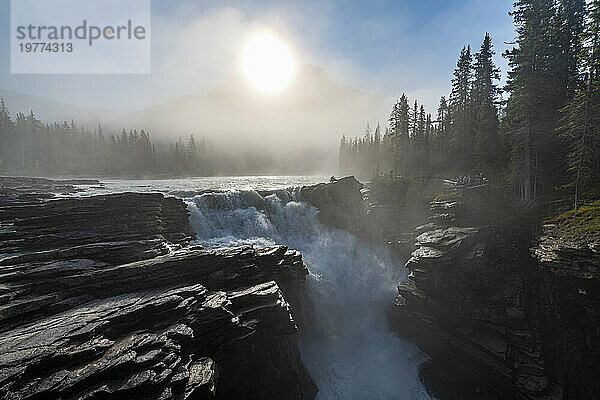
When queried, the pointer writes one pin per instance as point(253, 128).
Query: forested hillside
point(29, 145)
point(544, 135)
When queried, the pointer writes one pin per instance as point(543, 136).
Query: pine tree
point(6, 136)
point(376, 150)
point(533, 106)
point(22, 134)
point(461, 112)
point(414, 120)
point(342, 155)
point(419, 142)
point(581, 117)
point(399, 135)
point(443, 117)
point(569, 22)
point(427, 145)
point(192, 154)
point(485, 95)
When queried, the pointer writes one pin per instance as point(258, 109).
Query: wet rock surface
point(104, 297)
point(498, 323)
point(396, 211)
point(14, 190)
point(114, 228)
point(379, 212)
point(339, 202)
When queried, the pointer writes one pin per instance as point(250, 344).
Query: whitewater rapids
point(348, 348)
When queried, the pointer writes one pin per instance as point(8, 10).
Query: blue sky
point(379, 46)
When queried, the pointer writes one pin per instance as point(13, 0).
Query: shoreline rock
point(340, 203)
point(104, 297)
point(496, 322)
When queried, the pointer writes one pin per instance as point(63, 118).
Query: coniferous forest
point(34, 147)
point(542, 135)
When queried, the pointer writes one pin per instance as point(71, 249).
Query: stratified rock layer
point(114, 228)
point(15, 190)
point(569, 312)
point(102, 297)
point(497, 323)
point(339, 202)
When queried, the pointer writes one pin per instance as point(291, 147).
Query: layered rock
point(114, 228)
point(103, 297)
point(340, 203)
point(389, 214)
point(497, 323)
point(380, 211)
point(395, 208)
point(569, 312)
point(14, 190)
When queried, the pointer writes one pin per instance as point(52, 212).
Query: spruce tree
point(581, 117)
point(6, 137)
point(485, 96)
point(568, 26)
point(399, 135)
point(532, 106)
point(192, 154)
point(461, 112)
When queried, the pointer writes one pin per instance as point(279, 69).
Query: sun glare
point(267, 63)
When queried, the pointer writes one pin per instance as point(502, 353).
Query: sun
point(267, 62)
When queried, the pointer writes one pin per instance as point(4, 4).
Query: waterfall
point(349, 350)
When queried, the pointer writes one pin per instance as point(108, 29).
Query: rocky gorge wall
point(104, 297)
point(499, 320)
point(340, 203)
point(500, 316)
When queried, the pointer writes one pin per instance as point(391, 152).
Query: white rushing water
point(349, 350)
point(184, 187)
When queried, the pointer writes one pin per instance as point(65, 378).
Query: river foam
point(348, 348)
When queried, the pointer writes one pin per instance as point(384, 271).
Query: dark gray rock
point(102, 297)
point(497, 323)
point(569, 312)
point(113, 228)
point(141, 345)
point(25, 190)
point(340, 203)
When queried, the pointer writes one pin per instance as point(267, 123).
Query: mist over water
point(348, 348)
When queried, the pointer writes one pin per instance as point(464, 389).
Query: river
point(348, 348)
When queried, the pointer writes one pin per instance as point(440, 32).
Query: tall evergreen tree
point(443, 117)
point(568, 27)
point(484, 97)
point(581, 117)
point(461, 112)
point(414, 119)
point(399, 126)
point(192, 153)
point(532, 106)
point(6, 136)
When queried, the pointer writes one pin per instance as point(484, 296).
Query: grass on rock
point(582, 224)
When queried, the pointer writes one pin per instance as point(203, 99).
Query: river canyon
point(282, 287)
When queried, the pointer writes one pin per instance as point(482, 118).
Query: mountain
point(300, 126)
point(311, 108)
point(304, 122)
point(49, 110)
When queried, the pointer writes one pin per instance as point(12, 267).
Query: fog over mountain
point(300, 125)
point(51, 110)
